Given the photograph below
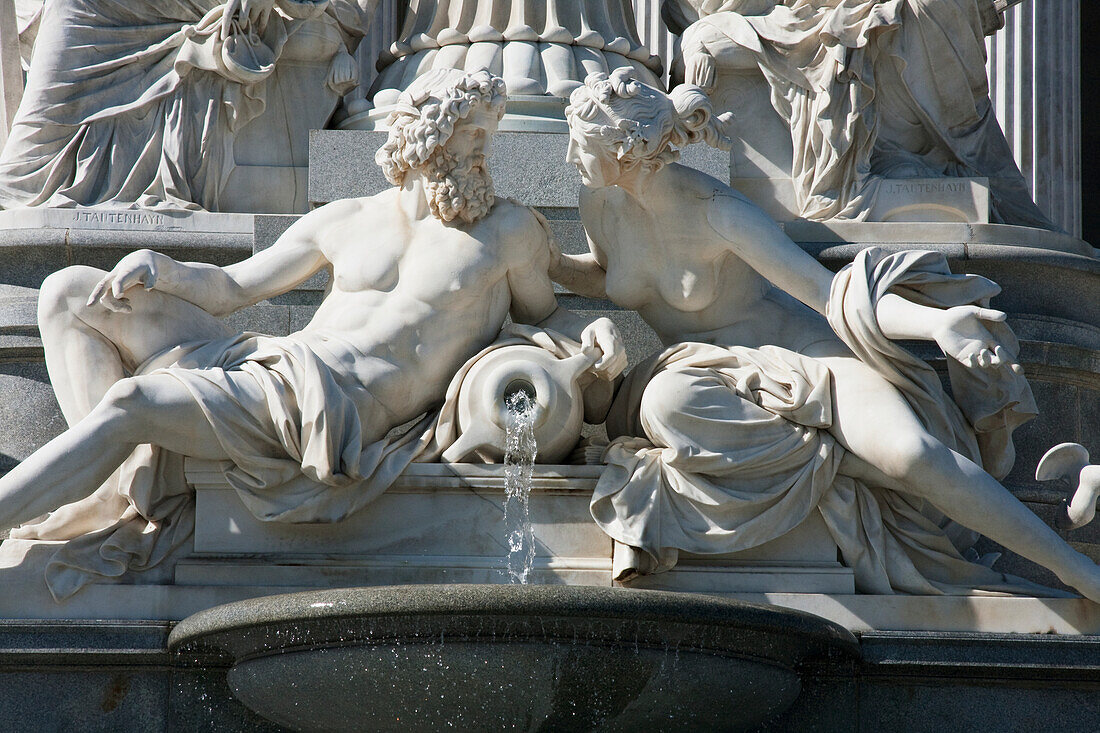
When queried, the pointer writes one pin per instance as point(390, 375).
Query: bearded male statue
point(423, 276)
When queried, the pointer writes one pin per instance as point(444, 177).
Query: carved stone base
point(443, 523)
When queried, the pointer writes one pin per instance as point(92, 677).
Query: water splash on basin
point(519, 465)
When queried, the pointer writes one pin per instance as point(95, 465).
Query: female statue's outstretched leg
point(873, 421)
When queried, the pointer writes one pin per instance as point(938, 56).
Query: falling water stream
point(519, 464)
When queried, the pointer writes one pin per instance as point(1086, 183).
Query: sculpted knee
point(127, 407)
point(66, 291)
point(910, 456)
point(667, 395)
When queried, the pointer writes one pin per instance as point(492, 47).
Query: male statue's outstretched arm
point(293, 258)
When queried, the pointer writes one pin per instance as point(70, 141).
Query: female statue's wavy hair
point(647, 127)
point(426, 114)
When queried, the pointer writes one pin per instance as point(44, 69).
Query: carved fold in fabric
point(859, 80)
point(538, 48)
point(990, 402)
point(137, 105)
point(735, 451)
point(291, 425)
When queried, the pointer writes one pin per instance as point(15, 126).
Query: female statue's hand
point(343, 75)
point(962, 334)
point(250, 13)
point(700, 69)
point(602, 334)
point(136, 268)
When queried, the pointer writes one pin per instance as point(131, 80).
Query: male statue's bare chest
point(424, 259)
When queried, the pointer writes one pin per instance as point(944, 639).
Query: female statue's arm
point(582, 274)
point(754, 237)
point(533, 298)
point(960, 331)
point(759, 241)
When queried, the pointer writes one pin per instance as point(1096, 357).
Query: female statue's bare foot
point(1071, 462)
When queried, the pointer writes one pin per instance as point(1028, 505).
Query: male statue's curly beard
point(458, 189)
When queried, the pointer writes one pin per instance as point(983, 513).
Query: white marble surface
point(201, 107)
point(720, 284)
point(434, 510)
point(304, 418)
point(981, 614)
point(126, 220)
point(1035, 83)
point(539, 48)
point(908, 98)
point(961, 200)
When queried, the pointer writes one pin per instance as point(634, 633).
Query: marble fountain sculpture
point(781, 446)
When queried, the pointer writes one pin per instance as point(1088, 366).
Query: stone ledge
point(1016, 656)
point(990, 614)
point(453, 530)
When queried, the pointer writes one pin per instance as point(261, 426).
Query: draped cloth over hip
point(291, 427)
point(718, 449)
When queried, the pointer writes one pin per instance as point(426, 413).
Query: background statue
point(870, 89)
point(782, 390)
point(181, 103)
point(424, 275)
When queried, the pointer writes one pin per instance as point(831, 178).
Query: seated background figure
point(870, 89)
point(423, 276)
point(178, 104)
point(782, 392)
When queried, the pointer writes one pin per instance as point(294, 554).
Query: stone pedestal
point(451, 529)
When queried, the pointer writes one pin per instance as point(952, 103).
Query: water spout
point(519, 463)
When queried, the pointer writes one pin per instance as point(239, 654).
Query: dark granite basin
point(493, 657)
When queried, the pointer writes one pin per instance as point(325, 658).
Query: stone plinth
point(445, 523)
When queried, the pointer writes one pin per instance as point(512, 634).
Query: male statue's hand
point(603, 335)
point(136, 268)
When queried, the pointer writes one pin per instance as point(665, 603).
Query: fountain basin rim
point(613, 617)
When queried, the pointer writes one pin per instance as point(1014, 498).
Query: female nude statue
point(782, 391)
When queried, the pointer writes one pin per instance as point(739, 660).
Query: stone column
point(1035, 78)
point(11, 67)
point(383, 32)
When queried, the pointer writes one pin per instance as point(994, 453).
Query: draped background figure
point(871, 89)
point(144, 104)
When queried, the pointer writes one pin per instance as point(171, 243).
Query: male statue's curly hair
point(426, 114)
